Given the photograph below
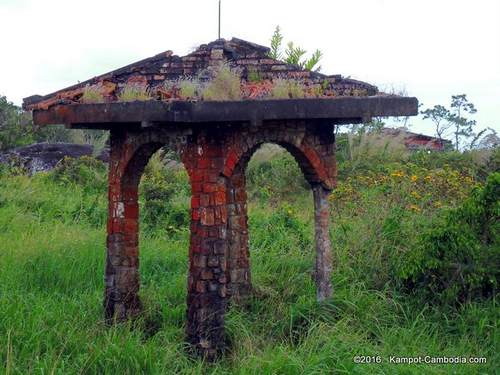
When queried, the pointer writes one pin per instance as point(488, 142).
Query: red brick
point(195, 214)
point(195, 202)
point(207, 216)
point(209, 187)
point(220, 198)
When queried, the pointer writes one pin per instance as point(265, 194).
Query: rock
point(40, 157)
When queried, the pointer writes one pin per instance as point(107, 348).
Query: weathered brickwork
point(219, 260)
point(215, 141)
point(247, 57)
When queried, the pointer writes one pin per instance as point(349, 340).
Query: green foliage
point(130, 93)
point(16, 128)
point(92, 95)
point(293, 54)
point(253, 74)
point(225, 85)
point(310, 64)
point(274, 175)
point(476, 163)
point(462, 127)
point(458, 255)
point(86, 171)
point(276, 41)
point(188, 88)
point(165, 197)
point(287, 89)
point(52, 241)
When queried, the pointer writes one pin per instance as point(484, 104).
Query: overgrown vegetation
point(92, 95)
point(224, 85)
point(287, 89)
point(293, 54)
point(130, 93)
point(415, 255)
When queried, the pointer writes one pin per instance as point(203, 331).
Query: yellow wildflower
point(414, 178)
point(414, 208)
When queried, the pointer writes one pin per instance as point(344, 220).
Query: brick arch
point(315, 166)
point(314, 150)
point(130, 153)
point(215, 158)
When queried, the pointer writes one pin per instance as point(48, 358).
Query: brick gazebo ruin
point(215, 140)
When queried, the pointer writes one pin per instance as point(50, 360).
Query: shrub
point(16, 128)
point(274, 174)
point(86, 171)
point(458, 255)
point(225, 85)
point(165, 197)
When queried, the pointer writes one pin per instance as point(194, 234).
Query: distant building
point(415, 141)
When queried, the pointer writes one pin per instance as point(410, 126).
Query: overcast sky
point(431, 48)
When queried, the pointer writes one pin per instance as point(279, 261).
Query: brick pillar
point(323, 244)
point(121, 275)
point(208, 251)
point(239, 254)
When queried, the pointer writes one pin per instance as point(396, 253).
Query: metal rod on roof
point(219, 19)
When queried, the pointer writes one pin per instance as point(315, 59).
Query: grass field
point(52, 251)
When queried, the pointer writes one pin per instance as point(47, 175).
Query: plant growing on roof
point(294, 54)
point(130, 93)
point(225, 84)
point(189, 88)
point(287, 89)
point(253, 74)
point(92, 94)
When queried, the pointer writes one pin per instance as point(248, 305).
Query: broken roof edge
point(343, 109)
point(166, 66)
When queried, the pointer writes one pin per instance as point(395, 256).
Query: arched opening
point(281, 222)
point(164, 221)
point(150, 168)
point(292, 168)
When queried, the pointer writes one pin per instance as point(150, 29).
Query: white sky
point(431, 48)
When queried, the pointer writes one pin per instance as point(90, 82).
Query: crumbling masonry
point(215, 141)
point(219, 260)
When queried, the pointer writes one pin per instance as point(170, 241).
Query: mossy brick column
point(207, 281)
point(122, 261)
point(130, 152)
point(239, 253)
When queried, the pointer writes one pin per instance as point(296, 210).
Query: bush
point(165, 197)
point(86, 171)
point(458, 255)
point(16, 128)
point(273, 174)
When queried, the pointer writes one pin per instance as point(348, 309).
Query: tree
point(293, 54)
point(15, 126)
point(463, 127)
point(440, 116)
point(486, 138)
point(455, 119)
